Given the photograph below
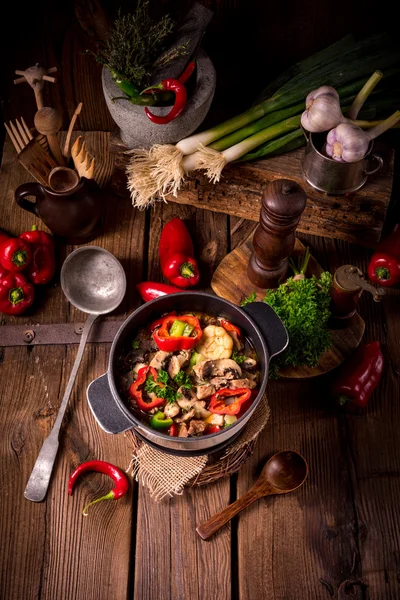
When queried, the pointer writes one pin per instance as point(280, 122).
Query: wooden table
point(342, 526)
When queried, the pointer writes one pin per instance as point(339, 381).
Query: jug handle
point(28, 189)
point(380, 164)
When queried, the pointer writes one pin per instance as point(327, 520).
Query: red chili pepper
point(15, 253)
point(176, 86)
point(213, 429)
point(217, 403)
point(230, 327)
point(177, 255)
point(136, 389)
point(173, 430)
point(170, 342)
point(384, 265)
point(16, 294)
point(150, 290)
point(42, 267)
point(119, 478)
point(187, 72)
point(358, 377)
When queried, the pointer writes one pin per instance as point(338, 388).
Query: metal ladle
point(94, 281)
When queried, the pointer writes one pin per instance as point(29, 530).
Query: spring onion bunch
point(273, 124)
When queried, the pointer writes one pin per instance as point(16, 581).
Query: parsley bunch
point(303, 306)
point(168, 387)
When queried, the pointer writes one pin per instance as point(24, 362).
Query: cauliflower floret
point(216, 343)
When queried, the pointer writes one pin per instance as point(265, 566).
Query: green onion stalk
point(264, 129)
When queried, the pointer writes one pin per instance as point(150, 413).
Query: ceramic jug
point(75, 216)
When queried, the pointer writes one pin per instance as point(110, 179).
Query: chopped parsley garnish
point(163, 377)
point(161, 391)
point(238, 358)
point(135, 344)
point(249, 299)
point(183, 380)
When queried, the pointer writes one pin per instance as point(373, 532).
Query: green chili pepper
point(130, 89)
point(158, 421)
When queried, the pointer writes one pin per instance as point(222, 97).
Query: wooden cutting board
point(230, 281)
point(357, 218)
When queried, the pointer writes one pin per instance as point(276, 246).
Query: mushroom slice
point(224, 367)
point(200, 410)
point(172, 409)
point(187, 416)
point(183, 357)
point(235, 384)
point(174, 367)
point(249, 363)
point(219, 382)
point(186, 398)
point(204, 391)
point(196, 427)
point(159, 360)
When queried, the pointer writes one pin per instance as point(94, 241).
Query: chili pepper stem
point(16, 295)
point(109, 496)
point(187, 270)
point(382, 273)
point(19, 258)
point(343, 400)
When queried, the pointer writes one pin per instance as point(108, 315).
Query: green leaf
point(249, 299)
point(183, 380)
point(135, 344)
point(163, 376)
point(238, 358)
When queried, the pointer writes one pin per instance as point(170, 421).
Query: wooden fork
point(31, 155)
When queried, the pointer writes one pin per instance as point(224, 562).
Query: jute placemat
point(165, 475)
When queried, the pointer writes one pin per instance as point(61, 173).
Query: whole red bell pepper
point(384, 265)
point(358, 376)
point(151, 289)
point(15, 253)
point(177, 255)
point(136, 389)
point(16, 294)
point(171, 336)
point(218, 405)
point(42, 267)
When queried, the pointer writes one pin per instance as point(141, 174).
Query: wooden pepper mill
point(273, 242)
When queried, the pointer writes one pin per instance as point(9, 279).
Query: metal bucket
point(333, 177)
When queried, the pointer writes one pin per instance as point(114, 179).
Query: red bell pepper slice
point(42, 267)
point(173, 430)
point(136, 390)
point(217, 403)
point(151, 289)
point(16, 294)
point(158, 322)
point(15, 253)
point(230, 328)
point(171, 343)
point(358, 376)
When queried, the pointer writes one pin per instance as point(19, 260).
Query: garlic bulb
point(322, 110)
point(349, 143)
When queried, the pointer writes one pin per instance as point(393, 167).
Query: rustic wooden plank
point(171, 560)
point(356, 218)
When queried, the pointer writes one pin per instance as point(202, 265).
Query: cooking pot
point(258, 322)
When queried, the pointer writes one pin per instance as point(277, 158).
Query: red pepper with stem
point(178, 333)
point(151, 289)
point(136, 389)
point(384, 265)
point(99, 466)
point(218, 405)
point(42, 267)
point(15, 253)
point(173, 85)
point(16, 293)
point(358, 376)
point(177, 255)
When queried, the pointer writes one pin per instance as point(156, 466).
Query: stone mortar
point(137, 131)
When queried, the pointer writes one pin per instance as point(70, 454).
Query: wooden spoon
point(283, 473)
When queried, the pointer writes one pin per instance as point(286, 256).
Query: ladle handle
point(208, 528)
point(38, 483)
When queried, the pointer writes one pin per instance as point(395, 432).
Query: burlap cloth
point(165, 475)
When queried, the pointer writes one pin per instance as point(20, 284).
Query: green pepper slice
point(158, 421)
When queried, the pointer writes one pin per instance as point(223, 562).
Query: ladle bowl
point(94, 281)
point(283, 473)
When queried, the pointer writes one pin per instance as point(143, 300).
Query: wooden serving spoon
point(283, 473)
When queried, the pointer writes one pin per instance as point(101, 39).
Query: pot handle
point(105, 408)
point(28, 189)
point(271, 326)
point(380, 164)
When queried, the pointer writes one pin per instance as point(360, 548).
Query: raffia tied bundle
point(165, 475)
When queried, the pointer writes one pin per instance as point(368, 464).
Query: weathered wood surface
point(356, 218)
point(230, 281)
point(342, 525)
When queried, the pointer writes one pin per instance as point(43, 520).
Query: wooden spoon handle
point(208, 528)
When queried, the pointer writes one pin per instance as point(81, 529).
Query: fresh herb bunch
point(135, 42)
point(303, 306)
point(163, 390)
